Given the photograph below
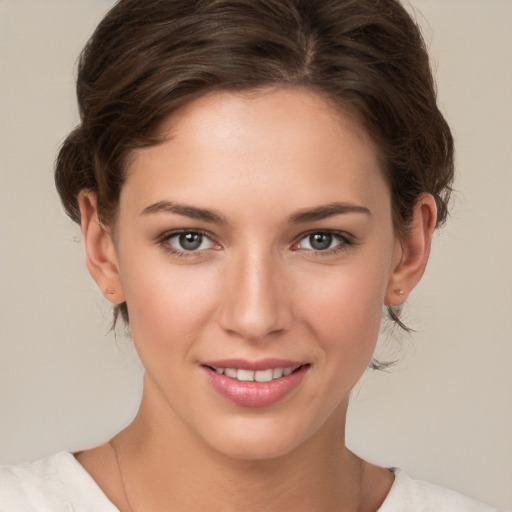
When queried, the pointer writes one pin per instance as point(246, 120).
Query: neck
point(162, 462)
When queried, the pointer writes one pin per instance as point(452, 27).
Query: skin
point(255, 288)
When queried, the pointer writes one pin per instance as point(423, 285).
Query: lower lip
point(255, 394)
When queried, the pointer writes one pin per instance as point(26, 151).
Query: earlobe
point(100, 251)
point(414, 250)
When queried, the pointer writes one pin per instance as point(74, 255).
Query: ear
point(412, 252)
point(101, 257)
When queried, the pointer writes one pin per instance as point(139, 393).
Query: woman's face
point(257, 238)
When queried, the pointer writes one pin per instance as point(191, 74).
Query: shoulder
point(408, 495)
point(57, 483)
point(33, 485)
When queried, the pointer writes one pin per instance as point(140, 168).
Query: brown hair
point(148, 57)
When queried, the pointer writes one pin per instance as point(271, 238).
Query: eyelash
point(165, 242)
point(344, 241)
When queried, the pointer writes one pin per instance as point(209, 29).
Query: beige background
point(443, 414)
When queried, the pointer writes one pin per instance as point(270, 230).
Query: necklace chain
point(130, 508)
point(127, 500)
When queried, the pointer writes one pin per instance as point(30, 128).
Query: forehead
point(258, 112)
point(291, 141)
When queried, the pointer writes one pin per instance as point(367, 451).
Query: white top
point(60, 484)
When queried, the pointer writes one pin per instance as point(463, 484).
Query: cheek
point(167, 304)
point(344, 310)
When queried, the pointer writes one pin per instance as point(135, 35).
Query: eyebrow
point(328, 210)
point(308, 215)
point(185, 210)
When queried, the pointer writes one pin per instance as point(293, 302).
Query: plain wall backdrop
point(444, 413)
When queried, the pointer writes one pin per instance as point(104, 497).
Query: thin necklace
point(130, 508)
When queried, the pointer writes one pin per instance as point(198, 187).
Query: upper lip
point(254, 365)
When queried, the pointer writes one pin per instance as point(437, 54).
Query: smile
point(267, 375)
point(255, 383)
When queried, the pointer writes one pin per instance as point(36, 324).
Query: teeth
point(277, 373)
point(245, 375)
point(255, 376)
point(263, 375)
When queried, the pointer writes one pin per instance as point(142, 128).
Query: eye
point(187, 241)
point(323, 241)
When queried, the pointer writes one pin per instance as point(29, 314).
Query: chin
point(254, 440)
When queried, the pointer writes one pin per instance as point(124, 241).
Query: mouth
point(265, 375)
point(255, 383)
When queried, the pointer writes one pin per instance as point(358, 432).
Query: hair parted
point(149, 57)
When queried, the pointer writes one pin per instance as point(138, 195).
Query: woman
point(254, 182)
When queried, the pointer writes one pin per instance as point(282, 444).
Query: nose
point(255, 302)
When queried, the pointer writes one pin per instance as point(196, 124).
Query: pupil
point(190, 241)
point(320, 241)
